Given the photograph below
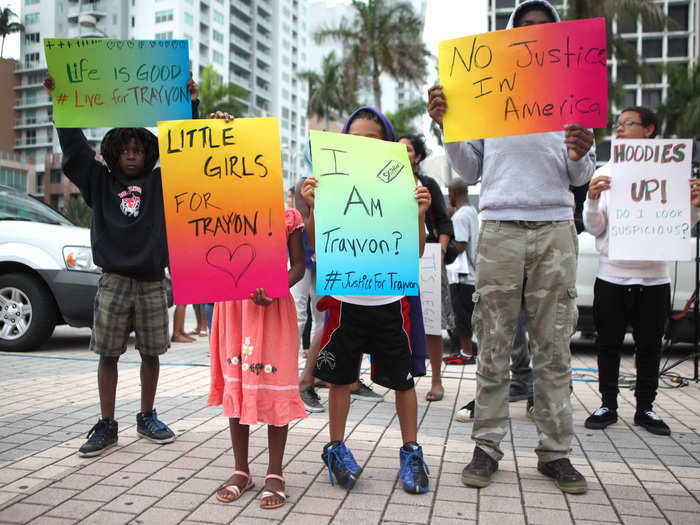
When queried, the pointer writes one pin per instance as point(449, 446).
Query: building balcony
point(239, 80)
point(37, 102)
point(34, 67)
point(45, 142)
point(240, 7)
point(240, 22)
point(27, 85)
point(94, 9)
point(264, 38)
point(32, 123)
point(241, 44)
point(264, 74)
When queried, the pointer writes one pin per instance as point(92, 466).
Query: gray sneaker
point(312, 403)
point(365, 393)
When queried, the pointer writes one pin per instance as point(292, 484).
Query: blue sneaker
point(341, 464)
point(414, 472)
point(149, 426)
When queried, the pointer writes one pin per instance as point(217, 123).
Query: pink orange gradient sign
point(224, 209)
point(526, 80)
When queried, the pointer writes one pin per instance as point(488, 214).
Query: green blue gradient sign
point(365, 215)
point(121, 83)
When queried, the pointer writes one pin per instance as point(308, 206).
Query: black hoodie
point(128, 218)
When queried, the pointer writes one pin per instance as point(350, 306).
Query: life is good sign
point(526, 80)
point(224, 209)
point(118, 83)
point(365, 216)
point(649, 215)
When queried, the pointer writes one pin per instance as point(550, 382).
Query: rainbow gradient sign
point(120, 83)
point(526, 80)
point(365, 216)
point(224, 209)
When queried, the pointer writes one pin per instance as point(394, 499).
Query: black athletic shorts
point(463, 307)
point(352, 330)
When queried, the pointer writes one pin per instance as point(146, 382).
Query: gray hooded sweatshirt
point(524, 177)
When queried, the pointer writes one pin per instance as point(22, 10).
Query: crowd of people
point(510, 283)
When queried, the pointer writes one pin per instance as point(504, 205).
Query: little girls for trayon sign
point(650, 200)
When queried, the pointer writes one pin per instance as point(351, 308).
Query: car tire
point(28, 312)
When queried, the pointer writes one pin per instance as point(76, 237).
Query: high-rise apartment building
point(258, 44)
point(677, 44)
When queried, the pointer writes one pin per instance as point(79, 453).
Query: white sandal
point(269, 493)
point(235, 489)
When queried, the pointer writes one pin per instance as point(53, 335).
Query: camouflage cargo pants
point(534, 261)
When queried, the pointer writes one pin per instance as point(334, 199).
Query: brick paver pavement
point(49, 402)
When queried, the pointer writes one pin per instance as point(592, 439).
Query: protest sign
point(430, 292)
point(224, 210)
point(649, 209)
point(526, 80)
point(365, 215)
point(118, 83)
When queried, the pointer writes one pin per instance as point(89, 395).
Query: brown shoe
point(565, 476)
point(478, 473)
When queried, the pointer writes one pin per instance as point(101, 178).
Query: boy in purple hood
point(378, 325)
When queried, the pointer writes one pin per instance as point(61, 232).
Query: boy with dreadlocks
point(129, 244)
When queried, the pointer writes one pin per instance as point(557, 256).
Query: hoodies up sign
point(365, 215)
point(526, 80)
point(121, 83)
point(649, 216)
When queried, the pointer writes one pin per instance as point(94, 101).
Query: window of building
point(114, 19)
point(285, 60)
point(285, 112)
point(30, 136)
point(217, 57)
point(651, 98)
point(164, 16)
point(285, 124)
point(31, 2)
point(651, 47)
point(502, 4)
point(188, 38)
point(285, 77)
point(30, 116)
point(133, 21)
point(501, 21)
point(218, 17)
point(167, 35)
point(678, 47)
point(190, 2)
point(56, 176)
point(626, 25)
point(189, 19)
point(31, 38)
point(630, 98)
point(216, 36)
point(31, 60)
point(653, 75)
point(31, 18)
point(285, 94)
point(626, 75)
point(679, 14)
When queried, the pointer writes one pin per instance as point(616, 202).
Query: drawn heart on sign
point(153, 44)
point(233, 263)
point(120, 44)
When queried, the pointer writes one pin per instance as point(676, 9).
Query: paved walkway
point(48, 403)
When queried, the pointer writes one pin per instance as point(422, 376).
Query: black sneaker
point(149, 426)
point(101, 437)
point(341, 464)
point(652, 422)
point(466, 413)
point(601, 418)
point(414, 472)
point(478, 473)
point(565, 476)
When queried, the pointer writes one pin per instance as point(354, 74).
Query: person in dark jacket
point(129, 244)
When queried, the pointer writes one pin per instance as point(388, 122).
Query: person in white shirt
point(628, 292)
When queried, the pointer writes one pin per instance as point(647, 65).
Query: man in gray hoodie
point(526, 253)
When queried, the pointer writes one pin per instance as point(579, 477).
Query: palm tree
point(384, 37)
point(650, 13)
point(7, 27)
point(401, 119)
point(680, 112)
point(332, 91)
point(78, 212)
point(214, 95)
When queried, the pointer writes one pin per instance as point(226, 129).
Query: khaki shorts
point(124, 305)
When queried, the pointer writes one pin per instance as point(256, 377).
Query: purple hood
point(388, 128)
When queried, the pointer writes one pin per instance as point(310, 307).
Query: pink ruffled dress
point(253, 354)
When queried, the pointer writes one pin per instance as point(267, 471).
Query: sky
point(12, 42)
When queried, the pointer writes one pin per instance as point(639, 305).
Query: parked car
point(682, 281)
point(47, 276)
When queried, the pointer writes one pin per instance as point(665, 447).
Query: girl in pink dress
point(254, 371)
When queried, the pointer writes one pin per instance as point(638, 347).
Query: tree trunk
point(377, 89)
point(2, 47)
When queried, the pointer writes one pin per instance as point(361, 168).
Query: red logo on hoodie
point(131, 201)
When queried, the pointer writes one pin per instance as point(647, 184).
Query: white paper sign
point(430, 298)
point(649, 211)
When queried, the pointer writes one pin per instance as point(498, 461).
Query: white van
point(47, 276)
